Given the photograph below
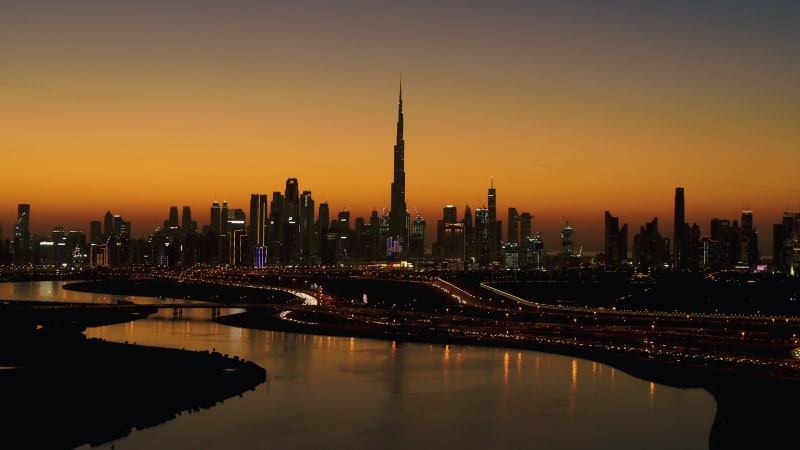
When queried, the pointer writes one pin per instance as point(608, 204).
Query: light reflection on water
point(328, 392)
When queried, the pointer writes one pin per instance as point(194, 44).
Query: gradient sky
point(571, 108)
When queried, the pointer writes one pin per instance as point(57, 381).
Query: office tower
point(418, 230)
point(786, 244)
point(494, 235)
point(678, 233)
point(567, 244)
point(173, 217)
point(257, 232)
point(22, 235)
point(276, 226)
point(224, 216)
point(108, 224)
point(525, 219)
point(398, 229)
point(615, 242)
point(324, 217)
point(450, 214)
point(307, 241)
point(749, 240)
point(450, 235)
point(513, 226)
point(469, 233)
point(216, 219)
point(482, 227)
point(291, 217)
point(375, 236)
point(722, 250)
point(186, 219)
point(76, 247)
point(95, 232)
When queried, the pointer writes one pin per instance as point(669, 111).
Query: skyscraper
point(216, 220)
point(22, 235)
point(173, 217)
point(291, 217)
point(494, 232)
point(307, 241)
point(257, 231)
point(677, 236)
point(398, 228)
point(186, 219)
point(615, 246)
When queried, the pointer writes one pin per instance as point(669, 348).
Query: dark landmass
point(60, 390)
point(167, 288)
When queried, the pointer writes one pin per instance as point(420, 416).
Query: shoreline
point(74, 387)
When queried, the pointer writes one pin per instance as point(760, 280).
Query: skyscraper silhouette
point(677, 236)
point(22, 235)
point(257, 231)
point(398, 227)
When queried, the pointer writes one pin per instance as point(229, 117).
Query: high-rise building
point(108, 224)
point(275, 252)
point(95, 232)
point(418, 230)
point(482, 227)
point(307, 240)
point(291, 227)
point(257, 231)
point(616, 241)
point(398, 215)
point(186, 220)
point(224, 217)
point(173, 217)
point(449, 235)
point(216, 219)
point(525, 220)
point(678, 238)
point(749, 240)
point(494, 234)
point(567, 244)
point(324, 216)
point(513, 226)
point(469, 233)
point(786, 244)
point(22, 235)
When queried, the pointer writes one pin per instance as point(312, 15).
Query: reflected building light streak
point(652, 394)
point(574, 380)
point(446, 363)
point(573, 397)
point(506, 358)
point(519, 364)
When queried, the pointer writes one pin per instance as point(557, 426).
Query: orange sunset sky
point(571, 108)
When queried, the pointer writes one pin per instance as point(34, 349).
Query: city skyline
point(567, 110)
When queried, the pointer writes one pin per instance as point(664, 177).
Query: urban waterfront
point(331, 392)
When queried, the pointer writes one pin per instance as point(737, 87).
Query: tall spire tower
point(398, 227)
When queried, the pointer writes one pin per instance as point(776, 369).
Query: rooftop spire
point(400, 112)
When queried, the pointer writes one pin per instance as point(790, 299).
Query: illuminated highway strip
point(657, 314)
point(284, 315)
